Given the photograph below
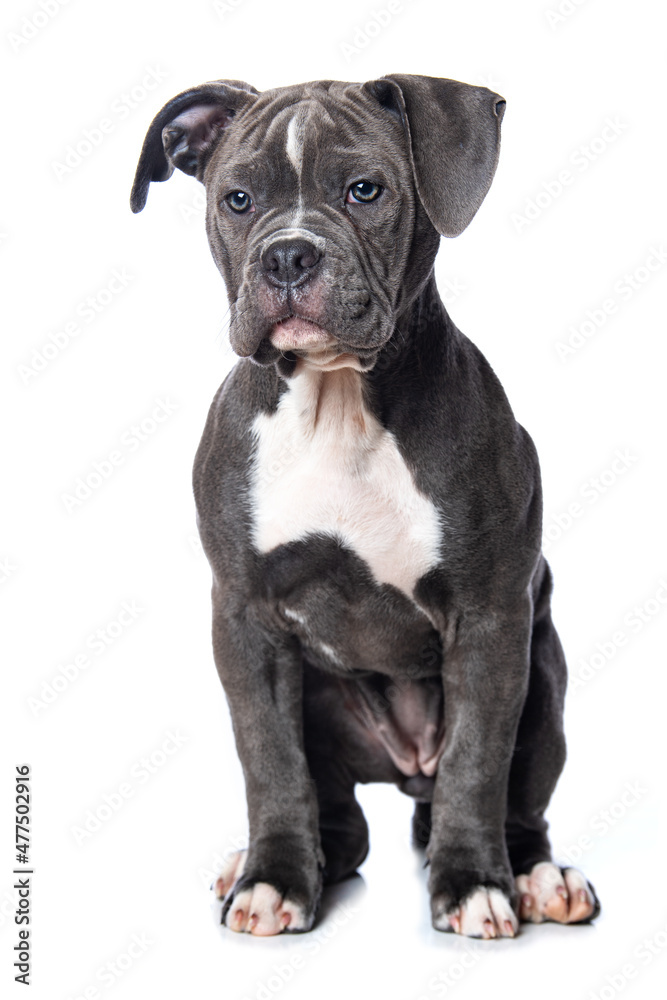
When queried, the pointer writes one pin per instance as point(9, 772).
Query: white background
point(522, 286)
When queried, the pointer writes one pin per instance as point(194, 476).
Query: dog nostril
point(270, 262)
point(290, 261)
point(307, 259)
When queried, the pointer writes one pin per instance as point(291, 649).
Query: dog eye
point(240, 202)
point(362, 192)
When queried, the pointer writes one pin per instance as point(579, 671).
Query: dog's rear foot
point(553, 893)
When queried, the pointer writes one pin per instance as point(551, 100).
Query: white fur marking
point(294, 145)
point(294, 233)
point(486, 913)
point(325, 464)
point(231, 871)
point(294, 148)
point(295, 616)
point(549, 894)
point(262, 911)
point(330, 653)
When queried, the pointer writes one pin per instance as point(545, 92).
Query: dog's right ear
point(185, 133)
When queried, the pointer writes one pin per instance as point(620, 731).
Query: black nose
point(289, 261)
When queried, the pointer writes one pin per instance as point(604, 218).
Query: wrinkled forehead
point(308, 130)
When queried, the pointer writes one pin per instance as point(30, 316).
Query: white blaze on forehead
point(295, 137)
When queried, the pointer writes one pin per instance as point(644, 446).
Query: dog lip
point(296, 334)
point(327, 361)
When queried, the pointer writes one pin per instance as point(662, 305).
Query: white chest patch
point(324, 464)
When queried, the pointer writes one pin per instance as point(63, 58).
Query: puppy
point(369, 505)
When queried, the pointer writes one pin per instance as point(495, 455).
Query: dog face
point(312, 229)
point(325, 201)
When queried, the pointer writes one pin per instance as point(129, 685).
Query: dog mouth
point(296, 334)
point(295, 343)
point(311, 345)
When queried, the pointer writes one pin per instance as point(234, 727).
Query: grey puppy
point(369, 505)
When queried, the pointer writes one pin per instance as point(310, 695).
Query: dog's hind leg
point(539, 753)
point(331, 750)
point(343, 833)
point(421, 824)
point(547, 892)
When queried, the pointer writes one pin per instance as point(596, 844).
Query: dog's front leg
point(275, 886)
point(485, 677)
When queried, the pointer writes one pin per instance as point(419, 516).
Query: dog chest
point(324, 464)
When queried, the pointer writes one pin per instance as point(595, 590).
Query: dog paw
point(484, 913)
point(261, 910)
point(230, 873)
point(552, 893)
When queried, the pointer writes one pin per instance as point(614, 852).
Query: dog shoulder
point(223, 458)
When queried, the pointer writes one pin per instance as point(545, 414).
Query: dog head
point(325, 201)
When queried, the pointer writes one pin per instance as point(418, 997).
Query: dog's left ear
point(453, 131)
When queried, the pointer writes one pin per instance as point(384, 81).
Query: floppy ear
point(185, 132)
point(453, 130)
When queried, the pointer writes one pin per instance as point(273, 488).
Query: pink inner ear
point(201, 123)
